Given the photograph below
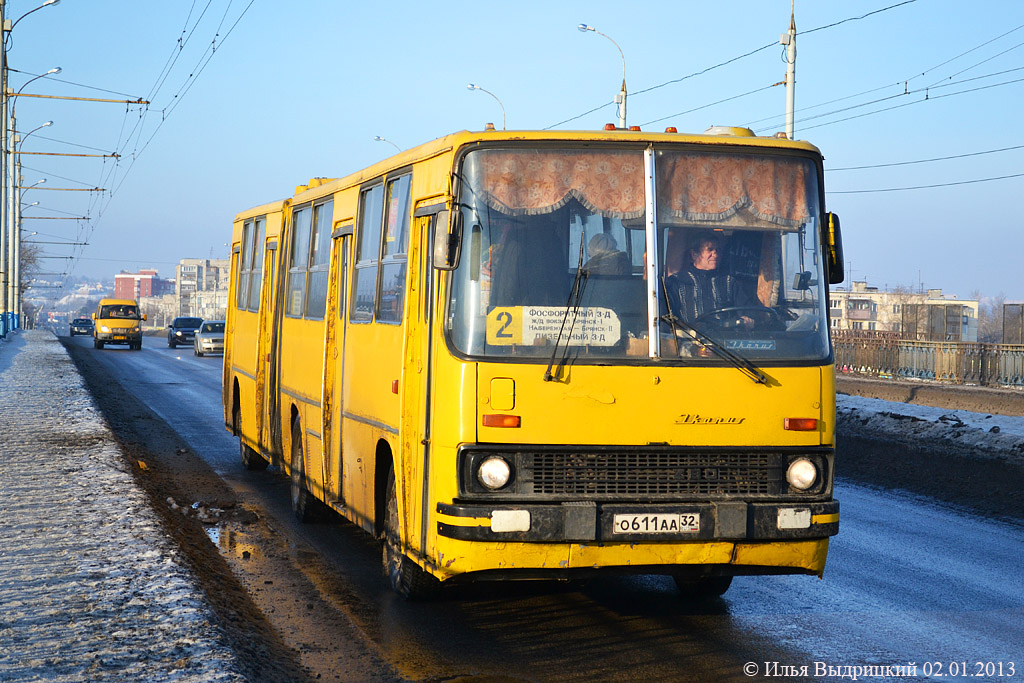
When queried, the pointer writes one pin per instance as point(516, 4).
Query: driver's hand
point(747, 321)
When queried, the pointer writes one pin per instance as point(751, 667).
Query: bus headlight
point(493, 472)
point(801, 474)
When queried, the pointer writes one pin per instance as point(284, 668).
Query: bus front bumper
point(638, 523)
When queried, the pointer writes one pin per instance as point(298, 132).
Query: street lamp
point(45, 4)
point(8, 295)
point(620, 99)
point(15, 269)
point(380, 139)
point(471, 86)
point(11, 164)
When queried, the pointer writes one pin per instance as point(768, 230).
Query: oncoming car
point(209, 338)
point(182, 331)
point(118, 321)
point(81, 326)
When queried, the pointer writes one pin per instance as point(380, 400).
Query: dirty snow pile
point(986, 435)
point(90, 587)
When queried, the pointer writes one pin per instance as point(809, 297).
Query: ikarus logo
point(708, 420)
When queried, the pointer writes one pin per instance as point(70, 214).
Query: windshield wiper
point(579, 283)
point(680, 325)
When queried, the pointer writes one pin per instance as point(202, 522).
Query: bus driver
point(698, 288)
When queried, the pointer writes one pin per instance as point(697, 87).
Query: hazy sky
point(249, 98)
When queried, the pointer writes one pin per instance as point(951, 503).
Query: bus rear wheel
point(406, 577)
point(251, 459)
point(305, 506)
point(704, 588)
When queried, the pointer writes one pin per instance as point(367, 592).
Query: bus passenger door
point(415, 397)
point(334, 370)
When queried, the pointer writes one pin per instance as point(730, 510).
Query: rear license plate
point(657, 523)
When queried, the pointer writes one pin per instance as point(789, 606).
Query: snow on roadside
point(91, 587)
point(996, 436)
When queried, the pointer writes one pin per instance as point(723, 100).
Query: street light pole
point(378, 138)
point(471, 86)
point(789, 40)
point(7, 180)
point(620, 99)
point(4, 191)
point(16, 225)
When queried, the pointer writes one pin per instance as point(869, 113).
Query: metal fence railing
point(954, 362)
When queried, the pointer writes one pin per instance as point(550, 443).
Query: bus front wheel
point(703, 588)
point(406, 577)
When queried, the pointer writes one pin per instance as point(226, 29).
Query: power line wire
point(926, 187)
point(924, 161)
point(727, 62)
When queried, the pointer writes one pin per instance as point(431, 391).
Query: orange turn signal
point(800, 424)
point(497, 420)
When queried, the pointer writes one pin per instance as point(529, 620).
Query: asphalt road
point(908, 582)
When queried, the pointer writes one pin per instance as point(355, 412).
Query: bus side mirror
point(93, 316)
point(144, 316)
point(447, 240)
point(834, 254)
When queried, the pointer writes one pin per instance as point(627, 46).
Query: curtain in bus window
point(734, 189)
point(296, 288)
point(530, 182)
point(244, 264)
point(319, 260)
point(371, 209)
point(391, 298)
point(256, 277)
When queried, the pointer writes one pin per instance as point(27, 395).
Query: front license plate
point(658, 523)
point(119, 337)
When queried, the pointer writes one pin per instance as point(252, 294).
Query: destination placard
point(538, 325)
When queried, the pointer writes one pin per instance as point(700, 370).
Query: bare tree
point(990, 317)
point(29, 264)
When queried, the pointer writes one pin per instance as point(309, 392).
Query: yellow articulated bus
point(550, 354)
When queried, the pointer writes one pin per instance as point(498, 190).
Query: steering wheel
point(732, 317)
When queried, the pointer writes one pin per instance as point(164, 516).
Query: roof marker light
point(671, 129)
point(635, 129)
point(609, 126)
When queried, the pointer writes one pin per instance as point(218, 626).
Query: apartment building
point(928, 315)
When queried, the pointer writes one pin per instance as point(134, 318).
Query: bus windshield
point(554, 252)
point(127, 311)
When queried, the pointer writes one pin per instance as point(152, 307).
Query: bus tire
point(97, 344)
point(250, 457)
point(406, 577)
point(703, 588)
point(305, 506)
point(251, 460)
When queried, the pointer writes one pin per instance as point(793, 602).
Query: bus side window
point(395, 248)
point(368, 228)
point(319, 260)
point(298, 261)
point(244, 266)
point(255, 279)
point(343, 275)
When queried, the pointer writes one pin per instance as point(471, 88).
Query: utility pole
point(789, 40)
